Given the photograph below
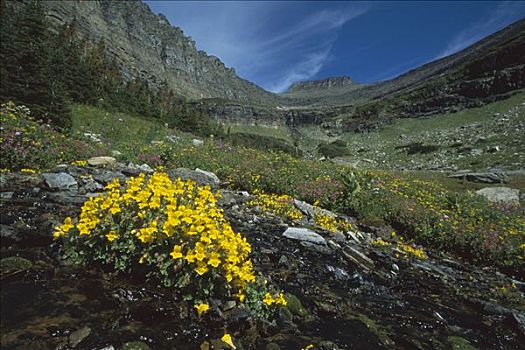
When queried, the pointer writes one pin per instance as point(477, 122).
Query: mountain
point(146, 45)
point(479, 73)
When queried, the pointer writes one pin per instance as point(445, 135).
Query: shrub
point(172, 230)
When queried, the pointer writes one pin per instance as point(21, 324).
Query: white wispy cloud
point(263, 41)
point(504, 13)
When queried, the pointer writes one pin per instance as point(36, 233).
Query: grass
point(124, 133)
point(443, 132)
point(279, 132)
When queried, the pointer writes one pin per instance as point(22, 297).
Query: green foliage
point(334, 149)
point(26, 143)
point(260, 142)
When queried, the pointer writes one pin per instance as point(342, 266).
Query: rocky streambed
point(343, 291)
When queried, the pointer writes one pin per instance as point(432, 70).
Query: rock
point(294, 305)
point(500, 194)
point(272, 346)
point(15, 263)
point(108, 176)
point(77, 336)
point(101, 161)
point(66, 197)
point(458, 343)
point(211, 175)
point(6, 195)
point(310, 211)
point(116, 153)
point(516, 320)
point(491, 177)
point(14, 181)
point(198, 176)
point(90, 185)
point(135, 345)
point(60, 181)
point(197, 142)
point(304, 234)
point(8, 232)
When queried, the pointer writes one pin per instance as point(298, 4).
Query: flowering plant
point(173, 229)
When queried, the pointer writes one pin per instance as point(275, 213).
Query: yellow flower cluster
point(79, 163)
point(418, 253)
point(279, 300)
point(180, 214)
point(404, 247)
point(28, 171)
point(280, 205)
point(332, 223)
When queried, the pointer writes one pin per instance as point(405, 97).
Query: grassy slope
point(125, 133)
point(444, 131)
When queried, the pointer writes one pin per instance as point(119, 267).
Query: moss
point(15, 263)
point(295, 306)
point(458, 343)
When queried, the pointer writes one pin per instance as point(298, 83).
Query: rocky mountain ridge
point(326, 83)
point(146, 45)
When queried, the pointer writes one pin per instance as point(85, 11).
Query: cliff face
point(146, 45)
point(327, 83)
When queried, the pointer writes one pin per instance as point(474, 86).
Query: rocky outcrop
point(146, 45)
point(327, 83)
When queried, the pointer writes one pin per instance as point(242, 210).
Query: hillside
point(146, 45)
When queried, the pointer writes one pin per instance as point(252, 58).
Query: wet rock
point(304, 234)
point(197, 176)
point(78, 336)
point(319, 248)
point(9, 232)
point(458, 343)
point(101, 161)
point(516, 320)
point(15, 263)
point(135, 345)
point(500, 194)
point(60, 181)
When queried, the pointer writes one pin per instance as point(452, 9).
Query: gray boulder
point(500, 194)
point(200, 177)
point(304, 235)
point(60, 181)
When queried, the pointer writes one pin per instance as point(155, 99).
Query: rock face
point(501, 194)
point(146, 45)
point(327, 83)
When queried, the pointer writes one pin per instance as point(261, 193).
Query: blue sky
point(274, 44)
